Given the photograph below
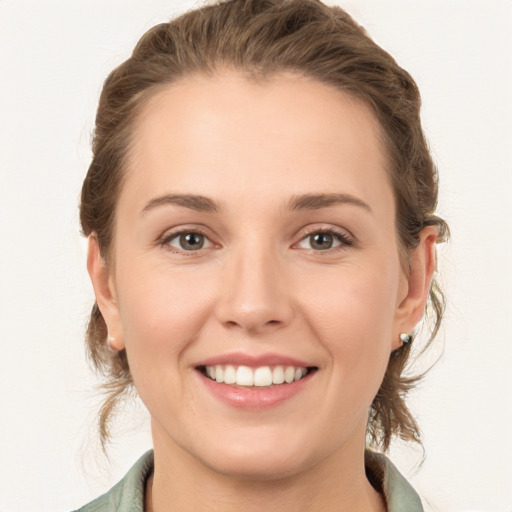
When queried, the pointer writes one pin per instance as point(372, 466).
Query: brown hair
point(262, 38)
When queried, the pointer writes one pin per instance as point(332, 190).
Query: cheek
point(161, 312)
point(354, 299)
point(352, 311)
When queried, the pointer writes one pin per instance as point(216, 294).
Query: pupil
point(191, 241)
point(321, 241)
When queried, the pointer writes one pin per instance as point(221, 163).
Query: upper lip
point(254, 361)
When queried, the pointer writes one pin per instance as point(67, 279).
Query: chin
point(266, 457)
point(258, 466)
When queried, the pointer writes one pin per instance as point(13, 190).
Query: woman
point(260, 213)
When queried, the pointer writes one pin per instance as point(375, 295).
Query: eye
point(324, 240)
point(187, 241)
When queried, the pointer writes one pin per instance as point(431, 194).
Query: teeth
point(244, 376)
point(230, 375)
point(278, 375)
point(289, 374)
point(262, 376)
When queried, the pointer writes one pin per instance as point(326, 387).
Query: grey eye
point(321, 241)
point(188, 241)
point(191, 241)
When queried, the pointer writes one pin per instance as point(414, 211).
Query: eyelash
point(165, 241)
point(343, 238)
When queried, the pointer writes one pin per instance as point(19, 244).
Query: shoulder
point(385, 477)
point(128, 494)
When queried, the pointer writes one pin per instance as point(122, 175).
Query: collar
point(128, 494)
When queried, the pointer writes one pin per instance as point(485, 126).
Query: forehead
point(227, 134)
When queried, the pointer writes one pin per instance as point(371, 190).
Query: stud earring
point(110, 340)
point(405, 338)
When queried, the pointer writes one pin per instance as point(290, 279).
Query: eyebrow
point(191, 201)
point(297, 203)
point(318, 201)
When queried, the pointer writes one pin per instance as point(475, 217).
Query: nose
point(255, 295)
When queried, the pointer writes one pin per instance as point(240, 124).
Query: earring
point(405, 338)
point(110, 339)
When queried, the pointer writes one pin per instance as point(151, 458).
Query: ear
point(104, 290)
point(417, 284)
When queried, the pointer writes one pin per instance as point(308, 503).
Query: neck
point(337, 484)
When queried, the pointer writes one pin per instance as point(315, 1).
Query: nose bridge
point(254, 296)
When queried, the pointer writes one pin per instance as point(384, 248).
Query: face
point(256, 283)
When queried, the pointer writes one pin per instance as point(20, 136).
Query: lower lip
point(255, 398)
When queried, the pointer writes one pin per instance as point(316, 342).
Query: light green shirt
point(128, 494)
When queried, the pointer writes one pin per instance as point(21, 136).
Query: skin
point(259, 286)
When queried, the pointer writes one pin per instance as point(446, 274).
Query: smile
point(254, 382)
point(260, 377)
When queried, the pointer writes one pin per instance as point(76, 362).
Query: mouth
point(261, 377)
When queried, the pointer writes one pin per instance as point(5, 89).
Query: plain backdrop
point(54, 56)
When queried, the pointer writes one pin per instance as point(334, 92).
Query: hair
point(264, 38)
